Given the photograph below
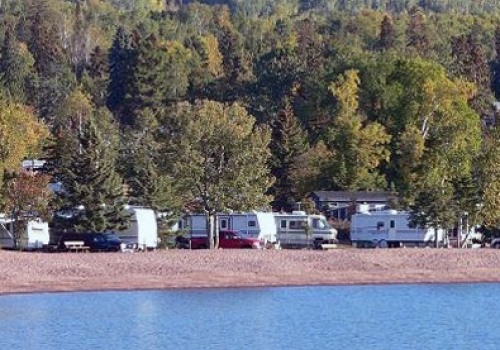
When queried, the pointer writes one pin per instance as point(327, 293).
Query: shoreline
point(36, 272)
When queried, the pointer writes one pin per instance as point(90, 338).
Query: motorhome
point(391, 228)
point(142, 231)
point(298, 229)
point(258, 225)
point(35, 235)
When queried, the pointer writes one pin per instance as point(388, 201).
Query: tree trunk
point(210, 218)
point(216, 231)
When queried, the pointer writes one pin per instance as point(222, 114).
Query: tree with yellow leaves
point(358, 146)
point(20, 135)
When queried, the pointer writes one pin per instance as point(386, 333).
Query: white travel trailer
point(35, 235)
point(299, 229)
point(142, 231)
point(390, 228)
point(255, 224)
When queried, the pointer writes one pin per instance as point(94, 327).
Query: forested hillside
point(237, 104)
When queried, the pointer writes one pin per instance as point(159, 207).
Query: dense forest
point(233, 104)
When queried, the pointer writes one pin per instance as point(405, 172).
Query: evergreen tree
point(233, 61)
point(149, 86)
point(288, 143)
point(78, 49)
point(122, 57)
point(416, 36)
point(147, 185)
point(52, 89)
point(96, 79)
point(45, 43)
point(92, 189)
point(387, 34)
point(16, 69)
point(495, 65)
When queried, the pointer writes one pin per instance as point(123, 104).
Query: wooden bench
point(76, 246)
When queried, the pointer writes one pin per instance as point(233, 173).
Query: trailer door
point(392, 232)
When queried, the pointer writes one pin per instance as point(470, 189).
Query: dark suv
point(97, 242)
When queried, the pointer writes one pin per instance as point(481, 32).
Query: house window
point(392, 224)
point(252, 223)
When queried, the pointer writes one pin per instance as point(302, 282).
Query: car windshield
point(111, 237)
point(240, 234)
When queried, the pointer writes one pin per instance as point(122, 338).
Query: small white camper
point(35, 235)
point(390, 228)
point(255, 224)
point(142, 231)
point(299, 229)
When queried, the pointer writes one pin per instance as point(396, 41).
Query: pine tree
point(16, 69)
point(288, 143)
point(416, 35)
point(45, 43)
point(121, 62)
point(147, 185)
point(96, 80)
point(78, 48)
point(387, 34)
point(93, 190)
point(149, 85)
point(495, 66)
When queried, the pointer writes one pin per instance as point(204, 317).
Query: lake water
point(402, 317)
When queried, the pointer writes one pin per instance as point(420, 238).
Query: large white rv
point(142, 232)
point(35, 235)
point(299, 229)
point(390, 228)
point(255, 224)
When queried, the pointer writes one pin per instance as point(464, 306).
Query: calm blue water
point(441, 317)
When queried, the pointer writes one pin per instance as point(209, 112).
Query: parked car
point(96, 242)
point(495, 243)
point(228, 239)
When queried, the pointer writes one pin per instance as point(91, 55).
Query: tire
point(496, 245)
point(317, 243)
point(382, 244)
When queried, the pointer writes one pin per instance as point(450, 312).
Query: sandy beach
point(27, 272)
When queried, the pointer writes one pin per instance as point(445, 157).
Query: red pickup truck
point(228, 239)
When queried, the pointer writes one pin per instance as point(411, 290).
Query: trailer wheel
point(496, 245)
point(382, 244)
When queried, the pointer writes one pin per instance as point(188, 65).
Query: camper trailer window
point(380, 224)
point(283, 224)
point(297, 225)
point(223, 224)
point(252, 223)
point(392, 224)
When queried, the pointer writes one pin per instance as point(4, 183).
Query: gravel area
point(25, 272)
